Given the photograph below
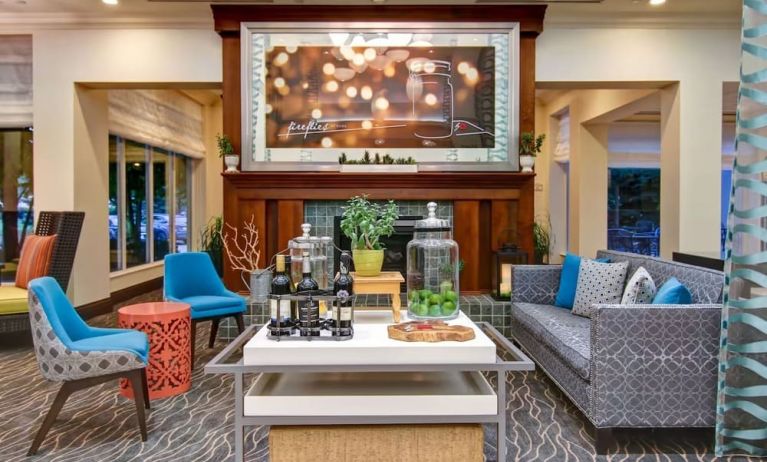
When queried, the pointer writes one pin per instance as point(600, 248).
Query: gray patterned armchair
point(628, 366)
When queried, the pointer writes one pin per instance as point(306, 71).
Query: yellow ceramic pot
point(368, 263)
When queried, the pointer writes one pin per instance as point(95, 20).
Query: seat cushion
point(35, 259)
point(566, 335)
point(132, 341)
point(13, 300)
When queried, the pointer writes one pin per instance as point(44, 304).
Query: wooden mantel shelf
point(404, 186)
point(485, 204)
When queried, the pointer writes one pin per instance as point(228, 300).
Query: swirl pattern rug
point(100, 425)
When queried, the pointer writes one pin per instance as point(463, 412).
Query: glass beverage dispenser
point(320, 249)
point(432, 269)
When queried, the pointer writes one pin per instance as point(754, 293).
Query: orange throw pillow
point(35, 260)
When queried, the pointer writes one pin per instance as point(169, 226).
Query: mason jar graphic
point(431, 93)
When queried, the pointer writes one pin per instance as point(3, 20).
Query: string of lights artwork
point(380, 93)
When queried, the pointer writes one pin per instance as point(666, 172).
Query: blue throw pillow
point(672, 292)
point(568, 280)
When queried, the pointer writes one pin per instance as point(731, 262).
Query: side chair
point(191, 278)
point(80, 356)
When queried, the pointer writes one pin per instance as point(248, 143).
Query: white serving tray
point(371, 345)
point(371, 394)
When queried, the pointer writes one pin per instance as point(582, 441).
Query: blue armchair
point(191, 278)
point(70, 351)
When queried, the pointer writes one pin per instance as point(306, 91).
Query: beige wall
point(70, 124)
point(692, 63)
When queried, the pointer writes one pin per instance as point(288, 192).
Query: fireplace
point(395, 257)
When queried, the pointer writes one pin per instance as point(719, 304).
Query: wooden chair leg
point(240, 322)
point(145, 387)
point(61, 398)
point(135, 378)
point(213, 330)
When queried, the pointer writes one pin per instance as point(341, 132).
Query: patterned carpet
point(100, 425)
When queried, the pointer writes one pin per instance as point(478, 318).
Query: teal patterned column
point(742, 401)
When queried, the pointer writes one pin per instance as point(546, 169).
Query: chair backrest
point(64, 319)
point(706, 285)
point(191, 273)
point(67, 227)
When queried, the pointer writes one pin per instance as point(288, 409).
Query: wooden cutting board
point(429, 331)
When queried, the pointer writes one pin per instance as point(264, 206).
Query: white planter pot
point(379, 168)
point(231, 163)
point(527, 163)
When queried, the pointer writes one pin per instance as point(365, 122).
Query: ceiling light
point(110, 2)
point(657, 2)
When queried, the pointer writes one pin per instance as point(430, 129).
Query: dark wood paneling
point(231, 88)
point(227, 18)
point(527, 82)
point(484, 205)
point(290, 215)
point(466, 232)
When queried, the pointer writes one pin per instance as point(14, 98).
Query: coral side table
point(388, 282)
point(168, 326)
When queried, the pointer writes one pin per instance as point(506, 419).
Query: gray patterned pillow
point(598, 283)
point(639, 289)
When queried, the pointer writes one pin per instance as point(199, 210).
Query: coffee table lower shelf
point(370, 394)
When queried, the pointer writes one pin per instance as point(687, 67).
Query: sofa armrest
point(654, 365)
point(535, 283)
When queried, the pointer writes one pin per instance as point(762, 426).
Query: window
point(148, 203)
point(15, 196)
point(633, 210)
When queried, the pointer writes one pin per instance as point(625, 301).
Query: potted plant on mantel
point(226, 150)
point(365, 223)
point(377, 163)
point(529, 147)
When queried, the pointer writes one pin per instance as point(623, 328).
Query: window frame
point(149, 152)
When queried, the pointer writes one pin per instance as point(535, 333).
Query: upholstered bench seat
point(13, 300)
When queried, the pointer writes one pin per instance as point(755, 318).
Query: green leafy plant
point(365, 222)
point(542, 240)
point(225, 147)
point(212, 243)
point(377, 159)
point(529, 144)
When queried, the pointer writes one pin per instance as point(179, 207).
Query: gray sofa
point(628, 366)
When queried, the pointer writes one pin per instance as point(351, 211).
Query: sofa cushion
point(568, 280)
point(598, 283)
point(640, 288)
point(705, 285)
point(35, 259)
point(672, 292)
point(567, 336)
point(13, 300)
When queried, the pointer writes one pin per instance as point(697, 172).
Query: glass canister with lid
point(432, 269)
point(320, 249)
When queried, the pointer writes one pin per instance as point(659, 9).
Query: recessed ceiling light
point(110, 2)
point(657, 2)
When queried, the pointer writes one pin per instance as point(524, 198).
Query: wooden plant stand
point(388, 282)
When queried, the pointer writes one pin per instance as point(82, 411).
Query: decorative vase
point(368, 263)
point(260, 285)
point(231, 162)
point(527, 163)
